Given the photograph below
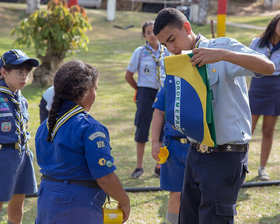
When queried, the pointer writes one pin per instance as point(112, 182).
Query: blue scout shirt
point(144, 64)
point(80, 149)
point(275, 57)
point(160, 105)
point(230, 101)
point(7, 116)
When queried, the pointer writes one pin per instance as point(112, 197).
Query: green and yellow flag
point(188, 99)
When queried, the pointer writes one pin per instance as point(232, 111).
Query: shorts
point(68, 203)
point(172, 172)
point(144, 100)
point(16, 174)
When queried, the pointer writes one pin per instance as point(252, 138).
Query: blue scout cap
point(16, 57)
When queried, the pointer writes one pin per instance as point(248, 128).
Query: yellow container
point(112, 215)
point(163, 154)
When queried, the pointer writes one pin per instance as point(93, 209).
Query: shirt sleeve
point(98, 151)
point(134, 61)
point(233, 45)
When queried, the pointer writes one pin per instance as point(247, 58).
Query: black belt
point(182, 140)
point(85, 183)
point(220, 148)
point(11, 145)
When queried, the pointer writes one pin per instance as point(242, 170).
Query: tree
point(53, 33)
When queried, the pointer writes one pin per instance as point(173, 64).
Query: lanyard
point(157, 61)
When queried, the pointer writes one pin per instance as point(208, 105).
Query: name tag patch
point(6, 126)
point(96, 135)
point(100, 144)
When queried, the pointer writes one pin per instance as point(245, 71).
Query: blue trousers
point(211, 185)
point(61, 203)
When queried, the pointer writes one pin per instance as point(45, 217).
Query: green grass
point(110, 50)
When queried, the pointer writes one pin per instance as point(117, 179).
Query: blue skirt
point(16, 174)
point(264, 95)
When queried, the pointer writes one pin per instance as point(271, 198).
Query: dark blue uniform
point(16, 168)
point(79, 151)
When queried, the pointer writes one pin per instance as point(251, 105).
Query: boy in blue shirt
point(172, 172)
point(17, 176)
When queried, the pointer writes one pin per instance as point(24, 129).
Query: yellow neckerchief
point(157, 61)
point(70, 113)
point(19, 121)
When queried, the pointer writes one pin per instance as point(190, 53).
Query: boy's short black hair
point(169, 17)
point(27, 65)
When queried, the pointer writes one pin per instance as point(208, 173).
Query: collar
point(147, 45)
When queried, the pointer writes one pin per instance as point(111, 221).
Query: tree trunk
point(32, 5)
point(44, 74)
point(203, 11)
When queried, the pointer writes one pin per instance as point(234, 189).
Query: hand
point(202, 56)
point(155, 150)
point(134, 98)
point(126, 211)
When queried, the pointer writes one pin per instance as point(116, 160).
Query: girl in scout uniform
point(147, 61)
point(74, 154)
point(264, 91)
point(17, 177)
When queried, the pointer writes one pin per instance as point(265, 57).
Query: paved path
point(246, 26)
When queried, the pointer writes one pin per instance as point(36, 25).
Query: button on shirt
point(159, 104)
point(143, 63)
point(80, 150)
point(275, 57)
point(230, 101)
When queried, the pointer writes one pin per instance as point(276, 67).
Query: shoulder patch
point(102, 162)
point(96, 135)
point(100, 144)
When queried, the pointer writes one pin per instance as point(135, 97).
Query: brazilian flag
point(188, 99)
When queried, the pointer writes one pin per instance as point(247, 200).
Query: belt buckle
point(203, 148)
point(183, 140)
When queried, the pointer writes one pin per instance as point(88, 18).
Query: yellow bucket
point(163, 154)
point(112, 215)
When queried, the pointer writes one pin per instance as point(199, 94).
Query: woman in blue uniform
point(17, 177)
point(73, 152)
point(264, 93)
point(148, 62)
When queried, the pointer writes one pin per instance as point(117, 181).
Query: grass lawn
point(110, 50)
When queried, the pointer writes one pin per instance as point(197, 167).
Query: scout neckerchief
point(198, 40)
point(20, 128)
point(275, 48)
point(157, 61)
point(70, 113)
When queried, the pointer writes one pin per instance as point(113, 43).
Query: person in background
point(214, 175)
point(17, 177)
point(172, 172)
point(147, 61)
point(264, 92)
point(74, 154)
point(46, 103)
